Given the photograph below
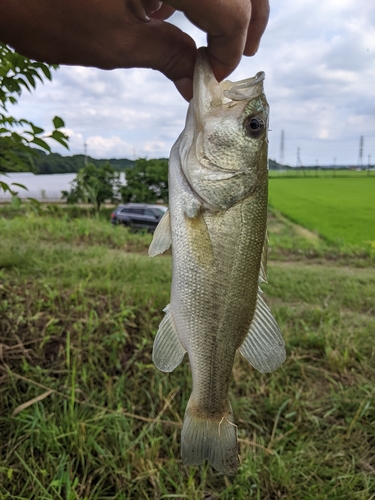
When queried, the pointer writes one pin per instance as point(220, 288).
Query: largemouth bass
point(216, 223)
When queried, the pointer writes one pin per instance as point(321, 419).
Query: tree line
point(54, 163)
point(146, 182)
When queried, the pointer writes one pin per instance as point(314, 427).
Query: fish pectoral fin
point(199, 240)
point(162, 239)
point(263, 347)
point(263, 262)
point(168, 351)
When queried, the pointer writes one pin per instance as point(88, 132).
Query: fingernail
point(185, 88)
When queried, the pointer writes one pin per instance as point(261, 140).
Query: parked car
point(138, 215)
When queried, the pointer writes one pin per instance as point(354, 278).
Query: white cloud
point(108, 147)
point(319, 60)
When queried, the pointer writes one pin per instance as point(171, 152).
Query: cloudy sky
point(319, 60)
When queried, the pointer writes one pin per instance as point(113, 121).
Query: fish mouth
point(243, 89)
point(209, 94)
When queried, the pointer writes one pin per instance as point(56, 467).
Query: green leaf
point(19, 185)
point(23, 82)
point(46, 72)
point(60, 138)
point(58, 122)
point(34, 201)
point(4, 186)
point(15, 202)
point(36, 130)
point(42, 144)
point(30, 79)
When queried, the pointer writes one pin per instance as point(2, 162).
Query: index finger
point(226, 24)
point(258, 22)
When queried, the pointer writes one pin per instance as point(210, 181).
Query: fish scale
point(216, 224)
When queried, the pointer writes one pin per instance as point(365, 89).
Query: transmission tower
point(299, 163)
point(85, 152)
point(360, 153)
point(282, 140)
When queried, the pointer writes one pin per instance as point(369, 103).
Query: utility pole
point(360, 153)
point(369, 164)
point(282, 147)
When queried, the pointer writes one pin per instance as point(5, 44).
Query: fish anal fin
point(162, 239)
point(168, 351)
point(211, 439)
point(263, 347)
point(199, 239)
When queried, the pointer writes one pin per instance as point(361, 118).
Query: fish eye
point(254, 126)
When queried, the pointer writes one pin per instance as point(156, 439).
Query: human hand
point(133, 33)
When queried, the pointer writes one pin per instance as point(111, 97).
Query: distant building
point(46, 187)
point(40, 187)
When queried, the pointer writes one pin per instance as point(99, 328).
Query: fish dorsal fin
point(263, 347)
point(162, 239)
point(168, 351)
point(263, 262)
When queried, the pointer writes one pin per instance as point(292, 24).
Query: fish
point(216, 225)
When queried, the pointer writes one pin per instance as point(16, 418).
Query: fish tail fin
point(214, 439)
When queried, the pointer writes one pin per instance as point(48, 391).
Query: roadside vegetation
point(85, 414)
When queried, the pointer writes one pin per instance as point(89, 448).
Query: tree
point(146, 182)
point(17, 136)
point(94, 185)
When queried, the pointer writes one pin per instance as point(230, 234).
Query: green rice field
point(338, 209)
point(326, 172)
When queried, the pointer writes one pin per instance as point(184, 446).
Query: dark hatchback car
point(138, 215)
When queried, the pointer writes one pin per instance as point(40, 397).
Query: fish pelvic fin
point(162, 238)
point(263, 347)
point(168, 351)
point(214, 439)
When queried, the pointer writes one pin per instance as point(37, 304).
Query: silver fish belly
point(216, 223)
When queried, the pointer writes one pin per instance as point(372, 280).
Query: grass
point(339, 209)
point(80, 305)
